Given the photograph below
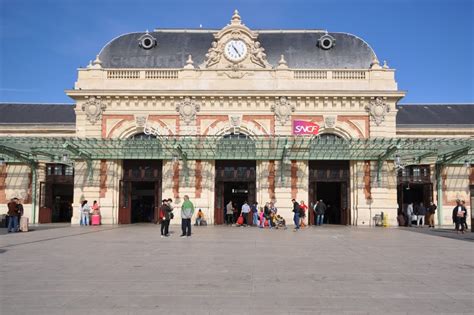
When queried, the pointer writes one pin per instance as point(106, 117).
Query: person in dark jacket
point(320, 209)
point(459, 216)
point(431, 212)
point(165, 217)
point(420, 219)
point(463, 203)
point(296, 216)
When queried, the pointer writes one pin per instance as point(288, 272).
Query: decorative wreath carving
point(330, 121)
point(377, 110)
point(93, 109)
point(187, 109)
point(283, 109)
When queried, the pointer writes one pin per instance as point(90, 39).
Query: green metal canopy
point(410, 150)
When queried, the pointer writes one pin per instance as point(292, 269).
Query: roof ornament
point(97, 63)
point(189, 63)
point(375, 64)
point(236, 20)
point(385, 66)
point(282, 64)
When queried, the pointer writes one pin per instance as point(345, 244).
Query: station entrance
point(56, 194)
point(140, 191)
point(329, 181)
point(414, 186)
point(236, 183)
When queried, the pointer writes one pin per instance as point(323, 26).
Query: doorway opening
point(330, 193)
point(56, 194)
point(329, 181)
point(143, 202)
point(236, 182)
point(63, 196)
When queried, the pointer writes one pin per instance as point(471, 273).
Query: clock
point(235, 50)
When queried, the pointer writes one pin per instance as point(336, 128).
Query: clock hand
point(235, 49)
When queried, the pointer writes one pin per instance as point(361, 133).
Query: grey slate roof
point(299, 47)
point(413, 115)
point(16, 113)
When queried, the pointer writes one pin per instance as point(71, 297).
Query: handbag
point(171, 215)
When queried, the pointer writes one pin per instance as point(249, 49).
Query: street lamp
point(65, 158)
point(466, 164)
point(2, 161)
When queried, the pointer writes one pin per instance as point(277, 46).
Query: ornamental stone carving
point(258, 56)
point(377, 110)
point(283, 109)
point(235, 120)
point(93, 109)
point(330, 121)
point(187, 110)
point(141, 120)
point(213, 55)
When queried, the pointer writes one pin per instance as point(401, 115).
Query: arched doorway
point(140, 188)
point(235, 171)
point(329, 181)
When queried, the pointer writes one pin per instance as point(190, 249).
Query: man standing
point(229, 214)
point(245, 212)
point(20, 211)
point(431, 211)
point(12, 216)
point(296, 216)
point(421, 215)
point(165, 211)
point(320, 210)
point(187, 211)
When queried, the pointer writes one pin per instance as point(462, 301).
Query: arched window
point(142, 136)
point(236, 146)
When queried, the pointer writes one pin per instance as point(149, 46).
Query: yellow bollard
point(385, 220)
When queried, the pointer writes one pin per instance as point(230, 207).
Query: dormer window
point(147, 41)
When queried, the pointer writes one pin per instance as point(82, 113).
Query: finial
point(282, 63)
point(375, 63)
point(146, 31)
point(189, 63)
point(90, 64)
point(385, 66)
point(96, 64)
point(236, 18)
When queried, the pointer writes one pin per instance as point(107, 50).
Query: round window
point(326, 42)
point(147, 41)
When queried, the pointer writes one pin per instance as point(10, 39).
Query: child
point(261, 217)
point(200, 220)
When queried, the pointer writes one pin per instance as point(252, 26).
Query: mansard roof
point(300, 48)
point(23, 113)
point(432, 115)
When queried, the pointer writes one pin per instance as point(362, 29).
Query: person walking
point(320, 211)
point(85, 210)
point(187, 211)
point(463, 203)
point(229, 214)
point(431, 211)
point(245, 212)
point(303, 209)
point(296, 215)
point(165, 217)
point(12, 216)
point(409, 214)
point(254, 209)
point(421, 215)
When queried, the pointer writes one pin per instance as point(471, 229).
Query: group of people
point(15, 212)
point(300, 210)
point(420, 213)
point(87, 211)
point(187, 210)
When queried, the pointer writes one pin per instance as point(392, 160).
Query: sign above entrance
point(301, 127)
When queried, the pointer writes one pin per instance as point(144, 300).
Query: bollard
point(385, 220)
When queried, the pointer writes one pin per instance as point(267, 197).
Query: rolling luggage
point(240, 220)
point(24, 224)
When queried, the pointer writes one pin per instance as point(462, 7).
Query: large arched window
point(142, 136)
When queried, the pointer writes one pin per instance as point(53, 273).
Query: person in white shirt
point(409, 213)
point(245, 212)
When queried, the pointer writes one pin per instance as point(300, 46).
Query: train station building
point(235, 114)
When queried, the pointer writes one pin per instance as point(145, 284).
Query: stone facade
point(248, 96)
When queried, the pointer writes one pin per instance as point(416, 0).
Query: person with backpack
point(296, 214)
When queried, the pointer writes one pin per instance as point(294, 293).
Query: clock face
point(235, 50)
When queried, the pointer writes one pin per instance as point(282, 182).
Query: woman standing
point(85, 210)
point(303, 208)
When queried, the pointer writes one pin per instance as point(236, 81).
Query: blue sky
point(430, 43)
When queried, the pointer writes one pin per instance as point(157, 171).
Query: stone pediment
point(236, 47)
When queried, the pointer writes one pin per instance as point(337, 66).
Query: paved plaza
point(229, 270)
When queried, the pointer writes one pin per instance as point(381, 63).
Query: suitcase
point(401, 220)
point(24, 224)
point(240, 220)
point(95, 220)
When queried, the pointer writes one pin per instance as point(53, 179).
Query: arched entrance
point(329, 181)
point(140, 188)
point(235, 179)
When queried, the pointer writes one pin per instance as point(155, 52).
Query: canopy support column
point(381, 159)
point(86, 157)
